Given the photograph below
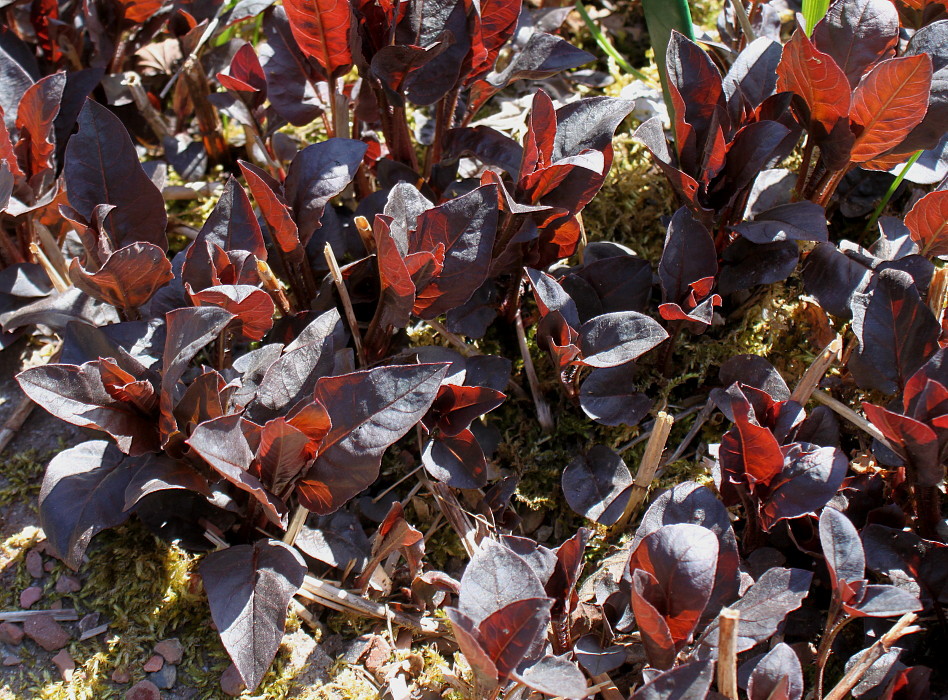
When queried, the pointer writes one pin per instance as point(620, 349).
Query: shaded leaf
point(101, 167)
point(249, 588)
point(83, 493)
point(596, 485)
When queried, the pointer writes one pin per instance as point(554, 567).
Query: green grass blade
point(662, 16)
point(813, 12)
point(891, 191)
point(603, 42)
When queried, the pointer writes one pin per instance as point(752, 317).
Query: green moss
point(22, 477)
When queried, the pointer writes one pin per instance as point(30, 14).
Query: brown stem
point(835, 626)
point(753, 537)
point(208, 122)
point(825, 192)
point(804, 173)
point(927, 511)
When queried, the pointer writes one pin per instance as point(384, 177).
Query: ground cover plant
point(331, 368)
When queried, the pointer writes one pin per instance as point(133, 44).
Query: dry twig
point(901, 628)
point(727, 652)
point(814, 373)
point(346, 302)
point(647, 468)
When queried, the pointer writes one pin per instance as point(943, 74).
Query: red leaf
point(494, 25)
point(928, 223)
point(508, 634)
point(751, 451)
point(541, 133)
point(129, 277)
point(814, 76)
point(253, 307)
point(245, 72)
point(888, 103)
point(321, 28)
point(140, 10)
point(283, 452)
point(43, 14)
point(34, 119)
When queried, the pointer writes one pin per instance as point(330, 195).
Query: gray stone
point(166, 677)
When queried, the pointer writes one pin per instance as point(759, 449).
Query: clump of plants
point(246, 388)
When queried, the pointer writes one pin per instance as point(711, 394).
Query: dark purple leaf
point(555, 675)
point(745, 264)
point(690, 681)
point(688, 256)
point(456, 460)
point(221, 443)
point(160, 473)
point(780, 667)
point(337, 540)
point(616, 338)
point(933, 41)
point(879, 600)
point(101, 167)
point(187, 331)
point(76, 395)
point(232, 226)
point(763, 607)
point(596, 485)
point(292, 82)
point(507, 634)
point(83, 493)
point(496, 577)
point(608, 396)
point(369, 411)
point(594, 658)
point(129, 277)
point(798, 221)
point(542, 56)
point(249, 588)
point(842, 548)
point(317, 174)
point(857, 34)
point(466, 227)
point(682, 559)
point(896, 331)
point(690, 503)
point(810, 477)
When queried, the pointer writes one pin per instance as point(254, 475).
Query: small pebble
point(46, 632)
point(88, 622)
point(171, 649)
point(65, 664)
point(154, 664)
point(68, 584)
point(30, 596)
point(11, 633)
point(166, 677)
point(231, 682)
point(121, 675)
point(34, 564)
point(56, 605)
point(143, 690)
point(11, 660)
point(49, 566)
